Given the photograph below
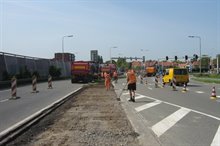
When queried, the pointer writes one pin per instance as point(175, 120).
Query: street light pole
point(63, 45)
point(200, 52)
point(111, 53)
point(142, 50)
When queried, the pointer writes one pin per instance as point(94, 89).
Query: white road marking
point(218, 96)
point(150, 88)
point(165, 124)
point(211, 116)
point(125, 93)
point(146, 106)
point(5, 90)
point(140, 96)
point(200, 92)
point(4, 100)
point(216, 140)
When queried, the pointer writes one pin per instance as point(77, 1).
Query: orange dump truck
point(84, 71)
point(150, 71)
point(110, 68)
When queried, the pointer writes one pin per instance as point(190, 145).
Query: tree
point(205, 62)
point(122, 64)
point(54, 71)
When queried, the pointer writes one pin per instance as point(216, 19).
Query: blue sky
point(150, 28)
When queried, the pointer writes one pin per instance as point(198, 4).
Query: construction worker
point(131, 80)
point(104, 74)
point(107, 81)
point(141, 79)
point(115, 76)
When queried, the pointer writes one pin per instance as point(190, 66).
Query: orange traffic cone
point(213, 93)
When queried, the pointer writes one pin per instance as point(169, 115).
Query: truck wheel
point(85, 80)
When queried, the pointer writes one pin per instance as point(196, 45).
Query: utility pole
point(217, 57)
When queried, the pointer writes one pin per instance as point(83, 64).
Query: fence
point(13, 64)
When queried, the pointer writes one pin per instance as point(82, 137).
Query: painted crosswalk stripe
point(162, 126)
point(150, 88)
point(140, 96)
point(200, 92)
point(146, 106)
point(208, 115)
point(216, 140)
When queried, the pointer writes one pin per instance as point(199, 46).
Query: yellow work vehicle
point(181, 75)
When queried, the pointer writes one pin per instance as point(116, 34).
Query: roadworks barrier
point(213, 95)
point(174, 84)
point(13, 88)
point(50, 82)
point(34, 84)
point(156, 81)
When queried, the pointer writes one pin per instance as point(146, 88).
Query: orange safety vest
point(131, 78)
point(115, 74)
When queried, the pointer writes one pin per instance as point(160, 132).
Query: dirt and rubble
point(91, 118)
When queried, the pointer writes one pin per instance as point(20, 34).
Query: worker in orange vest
point(115, 76)
point(104, 74)
point(131, 80)
point(107, 81)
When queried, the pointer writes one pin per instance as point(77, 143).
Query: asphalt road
point(176, 117)
point(13, 111)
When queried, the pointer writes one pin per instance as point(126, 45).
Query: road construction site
point(93, 117)
point(87, 114)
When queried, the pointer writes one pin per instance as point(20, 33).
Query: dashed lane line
point(200, 92)
point(165, 124)
point(146, 106)
point(5, 90)
point(4, 100)
point(216, 139)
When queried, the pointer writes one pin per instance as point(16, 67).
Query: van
point(181, 75)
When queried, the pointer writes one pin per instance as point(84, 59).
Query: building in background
point(67, 56)
point(94, 55)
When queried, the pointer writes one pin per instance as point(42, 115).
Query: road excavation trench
point(92, 118)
